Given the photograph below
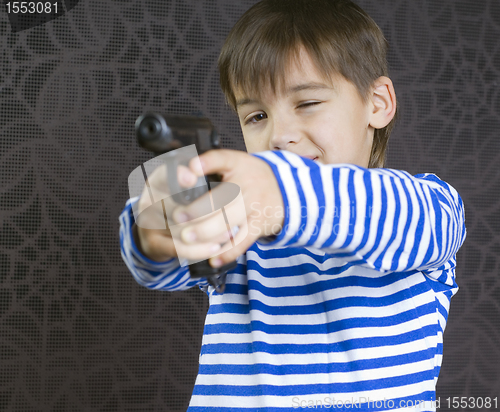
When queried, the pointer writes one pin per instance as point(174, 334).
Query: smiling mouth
point(313, 158)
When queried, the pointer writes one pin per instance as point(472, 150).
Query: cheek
point(251, 145)
point(247, 140)
point(344, 141)
point(254, 142)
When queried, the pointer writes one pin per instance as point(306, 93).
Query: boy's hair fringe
point(338, 35)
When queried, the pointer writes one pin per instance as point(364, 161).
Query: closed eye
point(308, 104)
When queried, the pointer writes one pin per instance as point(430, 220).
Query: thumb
point(215, 161)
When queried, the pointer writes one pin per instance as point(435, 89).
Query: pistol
point(164, 133)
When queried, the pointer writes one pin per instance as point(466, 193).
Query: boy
point(342, 289)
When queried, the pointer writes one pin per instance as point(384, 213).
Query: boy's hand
point(158, 244)
point(263, 212)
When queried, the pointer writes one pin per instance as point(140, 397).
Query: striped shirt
point(345, 309)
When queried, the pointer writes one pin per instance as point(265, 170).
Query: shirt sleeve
point(168, 275)
point(383, 219)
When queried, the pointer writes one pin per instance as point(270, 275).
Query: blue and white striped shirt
point(345, 309)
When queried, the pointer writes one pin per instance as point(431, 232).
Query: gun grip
point(215, 276)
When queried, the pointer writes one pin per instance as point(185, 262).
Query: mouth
point(314, 159)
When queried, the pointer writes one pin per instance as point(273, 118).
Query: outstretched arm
point(385, 219)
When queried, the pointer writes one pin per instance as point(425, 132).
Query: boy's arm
point(168, 275)
point(385, 219)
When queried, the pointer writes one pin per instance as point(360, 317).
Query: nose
point(284, 134)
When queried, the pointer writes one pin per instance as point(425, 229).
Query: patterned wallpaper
point(76, 332)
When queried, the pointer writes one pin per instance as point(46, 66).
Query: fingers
point(202, 223)
point(198, 251)
point(186, 177)
point(216, 161)
point(152, 217)
point(157, 182)
point(243, 240)
point(214, 227)
point(156, 245)
point(193, 234)
point(196, 238)
point(160, 248)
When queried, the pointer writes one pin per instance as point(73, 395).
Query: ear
point(383, 100)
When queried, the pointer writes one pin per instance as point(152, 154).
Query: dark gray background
point(76, 332)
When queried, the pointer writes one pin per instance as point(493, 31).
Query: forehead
point(299, 73)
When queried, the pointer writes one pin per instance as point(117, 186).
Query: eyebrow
point(291, 90)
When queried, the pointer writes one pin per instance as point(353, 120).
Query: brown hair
point(338, 35)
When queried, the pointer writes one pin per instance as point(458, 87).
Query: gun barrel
point(163, 133)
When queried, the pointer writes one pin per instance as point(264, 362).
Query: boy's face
point(315, 118)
